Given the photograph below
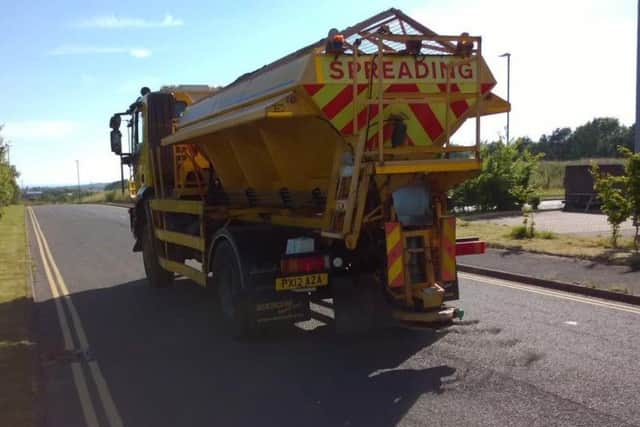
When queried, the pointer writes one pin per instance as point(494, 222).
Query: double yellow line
point(555, 294)
point(60, 292)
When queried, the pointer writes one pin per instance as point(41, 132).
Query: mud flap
point(283, 307)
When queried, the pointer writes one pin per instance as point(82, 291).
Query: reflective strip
point(448, 249)
point(395, 248)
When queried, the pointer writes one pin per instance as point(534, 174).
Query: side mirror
point(116, 142)
point(114, 122)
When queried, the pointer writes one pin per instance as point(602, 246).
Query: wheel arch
point(256, 247)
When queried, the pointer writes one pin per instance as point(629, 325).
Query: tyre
point(157, 276)
point(228, 283)
point(359, 306)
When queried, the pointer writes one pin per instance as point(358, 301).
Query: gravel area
point(568, 222)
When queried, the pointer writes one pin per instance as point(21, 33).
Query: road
point(158, 357)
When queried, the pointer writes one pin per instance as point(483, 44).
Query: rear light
point(304, 264)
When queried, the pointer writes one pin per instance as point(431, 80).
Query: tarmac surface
point(160, 357)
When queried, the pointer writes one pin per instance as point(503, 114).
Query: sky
point(68, 65)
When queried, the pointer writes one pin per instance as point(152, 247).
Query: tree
point(632, 188)
point(9, 191)
point(599, 137)
point(612, 194)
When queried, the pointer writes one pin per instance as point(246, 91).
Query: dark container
point(578, 186)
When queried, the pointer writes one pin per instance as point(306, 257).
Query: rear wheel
point(359, 306)
point(157, 276)
point(228, 282)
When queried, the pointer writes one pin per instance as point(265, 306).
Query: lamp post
point(508, 56)
point(636, 145)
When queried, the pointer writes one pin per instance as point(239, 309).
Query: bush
point(547, 235)
point(110, 196)
point(520, 232)
point(505, 182)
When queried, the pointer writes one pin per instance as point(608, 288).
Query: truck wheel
point(353, 307)
point(359, 307)
point(227, 280)
point(157, 276)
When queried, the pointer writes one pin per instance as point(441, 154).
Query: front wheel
point(157, 276)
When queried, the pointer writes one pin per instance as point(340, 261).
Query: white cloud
point(115, 22)
point(39, 129)
point(140, 53)
point(136, 52)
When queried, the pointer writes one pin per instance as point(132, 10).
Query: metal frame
point(411, 159)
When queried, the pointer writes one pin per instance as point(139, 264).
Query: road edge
point(551, 284)
point(40, 379)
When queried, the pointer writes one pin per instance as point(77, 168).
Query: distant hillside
point(94, 186)
point(115, 185)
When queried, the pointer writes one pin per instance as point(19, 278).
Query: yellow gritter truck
point(321, 175)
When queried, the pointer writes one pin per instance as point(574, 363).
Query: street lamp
point(636, 142)
point(508, 56)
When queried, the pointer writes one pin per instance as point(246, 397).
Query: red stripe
point(403, 87)
point(341, 100)
point(486, 87)
point(398, 281)
point(362, 119)
point(458, 107)
point(394, 253)
point(313, 88)
point(428, 120)
point(390, 226)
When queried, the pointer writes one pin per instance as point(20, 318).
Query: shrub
point(519, 232)
point(110, 196)
point(505, 181)
point(547, 235)
point(615, 202)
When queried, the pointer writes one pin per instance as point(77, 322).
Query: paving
point(564, 269)
point(518, 358)
point(557, 221)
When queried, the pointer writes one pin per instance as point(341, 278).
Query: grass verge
point(17, 352)
point(597, 248)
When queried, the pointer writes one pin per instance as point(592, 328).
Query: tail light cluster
point(302, 264)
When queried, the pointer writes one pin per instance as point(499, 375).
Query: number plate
point(301, 282)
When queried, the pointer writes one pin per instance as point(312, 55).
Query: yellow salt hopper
point(323, 174)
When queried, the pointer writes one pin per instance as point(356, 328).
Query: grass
point(552, 193)
point(500, 236)
point(17, 352)
point(106, 197)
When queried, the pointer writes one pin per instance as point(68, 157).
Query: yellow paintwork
point(177, 206)
point(182, 239)
point(428, 166)
point(197, 276)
